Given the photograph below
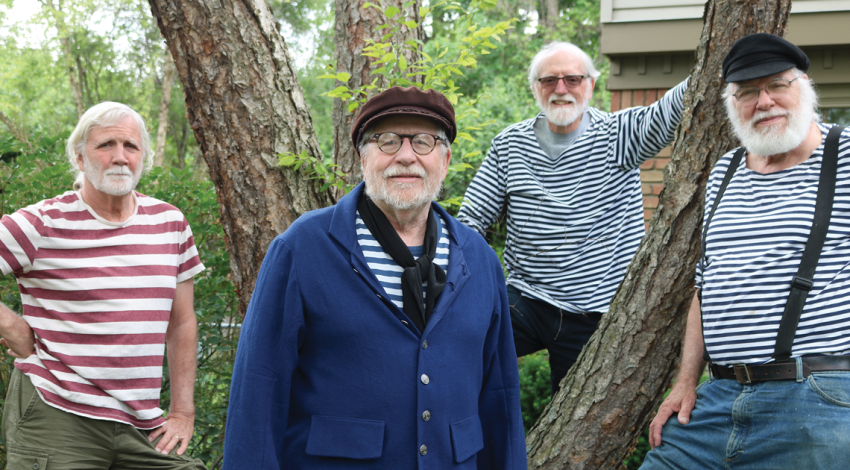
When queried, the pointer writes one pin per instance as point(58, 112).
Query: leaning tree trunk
point(64, 34)
point(353, 25)
point(246, 107)
point(612, 392)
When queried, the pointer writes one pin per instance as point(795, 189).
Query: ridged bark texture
point(353, 25)
point(245, 107)
point(612, 392)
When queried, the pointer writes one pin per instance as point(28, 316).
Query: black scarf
point(411, 279)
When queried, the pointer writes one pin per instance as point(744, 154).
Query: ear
point(534, 92)
point(80, 161)
point(447, 162)
point(592, 84)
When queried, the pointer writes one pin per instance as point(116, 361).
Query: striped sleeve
point(641, 132)
point(19, 237)
point(189, 262)
point(485, 196)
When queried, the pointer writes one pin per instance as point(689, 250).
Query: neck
point(773, 163)
point(111, 208)
point(565, 129)
point(409, 224)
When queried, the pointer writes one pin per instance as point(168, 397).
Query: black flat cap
point(410, 101)
point(759, 55)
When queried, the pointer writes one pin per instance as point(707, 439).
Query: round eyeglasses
point(390, 142)
point(571, 81)
point(750, 94)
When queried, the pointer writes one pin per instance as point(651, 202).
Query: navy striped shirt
point(387, 270)
point(754, 246)
point(574, 222)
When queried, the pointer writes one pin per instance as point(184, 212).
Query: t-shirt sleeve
point(19, 237)
point(189, 263)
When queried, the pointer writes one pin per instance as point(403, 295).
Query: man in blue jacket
point(379, 332)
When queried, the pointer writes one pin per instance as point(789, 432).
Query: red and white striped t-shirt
point(98, 296)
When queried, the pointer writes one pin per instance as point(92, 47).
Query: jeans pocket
point(20, 458)
point(833, 387)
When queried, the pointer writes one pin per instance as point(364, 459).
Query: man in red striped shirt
point(105, 276)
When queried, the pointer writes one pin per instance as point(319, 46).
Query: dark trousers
point(538, 325)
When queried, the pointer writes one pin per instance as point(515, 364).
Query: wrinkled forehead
point(126, 129)
point(560, 63)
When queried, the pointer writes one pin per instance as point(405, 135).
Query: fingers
point(686, 408)
point(655, 427)
point(155, 433)
point(184, 444)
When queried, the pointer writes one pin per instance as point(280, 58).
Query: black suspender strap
point(804, 280)
point(733, 165)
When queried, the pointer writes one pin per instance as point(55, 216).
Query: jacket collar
point(345, 215)
point(342, 229)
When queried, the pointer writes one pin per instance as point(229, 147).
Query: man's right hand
point(682, 400)
point(17, 336)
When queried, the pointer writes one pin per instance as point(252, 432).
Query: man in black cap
point(771, 313)
point(379, 334)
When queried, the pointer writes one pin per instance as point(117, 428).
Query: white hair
point(106, 114)
point(553, 47)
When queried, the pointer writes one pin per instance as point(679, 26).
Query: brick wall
point(652, 170)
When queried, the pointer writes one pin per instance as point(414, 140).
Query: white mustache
point(766, 114)
point(567, 98)
point(401, 170)
point(118, 171)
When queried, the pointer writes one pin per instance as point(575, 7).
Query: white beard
point(402, 196)
point(562, 116)
point(781, 137)
point(117, 181)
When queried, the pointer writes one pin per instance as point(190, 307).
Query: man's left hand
point(178, 429)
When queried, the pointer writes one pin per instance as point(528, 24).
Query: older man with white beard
point(105, 276)
point(771, 314)
point(378, 335)
point(569, 180)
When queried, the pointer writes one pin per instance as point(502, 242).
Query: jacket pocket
point(26, 459)
point(348, 438)
point(467, 438)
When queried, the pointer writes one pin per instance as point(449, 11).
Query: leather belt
point(747, 374)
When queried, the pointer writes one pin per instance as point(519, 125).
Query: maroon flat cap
point(410, 101)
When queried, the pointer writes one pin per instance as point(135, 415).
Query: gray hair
point(553, 47)
point(367, 136)
point(806, 86)
point(106, 114)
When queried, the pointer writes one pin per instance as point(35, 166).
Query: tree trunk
point(352, 26)
point(245, 107)
point(612, 392)
point(550, 20)
point(168, 73)
point(64, 35)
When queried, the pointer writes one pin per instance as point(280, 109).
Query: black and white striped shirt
point(754, 246)
point(384, 266)
point(574, 222)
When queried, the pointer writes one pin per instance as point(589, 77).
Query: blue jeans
point(777, 425)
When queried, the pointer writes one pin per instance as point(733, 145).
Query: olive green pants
point(41, 437)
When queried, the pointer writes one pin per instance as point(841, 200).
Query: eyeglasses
point(749, 94)
point(422, 144)
point(571, 81)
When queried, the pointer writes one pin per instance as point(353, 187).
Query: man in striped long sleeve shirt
point(105, 276)
point(773, 320)
point(569, 180)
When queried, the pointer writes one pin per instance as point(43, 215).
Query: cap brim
point(759, 71)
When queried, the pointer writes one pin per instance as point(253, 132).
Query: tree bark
point(245, 107)
point(64, 35)
point(612, 392)
point(164, 103)
point(353, 25)
point(550, 17)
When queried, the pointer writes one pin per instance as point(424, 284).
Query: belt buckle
point(742, 374)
